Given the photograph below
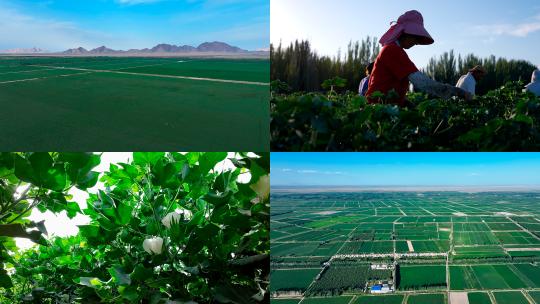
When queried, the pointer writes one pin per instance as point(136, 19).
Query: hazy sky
point(508, 29)
point(57, 25)
point(405, 169)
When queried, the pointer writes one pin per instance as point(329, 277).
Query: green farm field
point(438, 298)
point(535, 295)
point(422, 277)
point(105, 103)
point(478, 298)
point(510, 297)
point(391, 299)
point(285, 301)
point(327, 300)
point(473, 244)
point(297, 279)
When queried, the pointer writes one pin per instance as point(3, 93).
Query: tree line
point(302, 69)
point(448, 68)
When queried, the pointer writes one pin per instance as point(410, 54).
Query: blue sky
point(405, 169)
point(56, 25)
point(508, 29)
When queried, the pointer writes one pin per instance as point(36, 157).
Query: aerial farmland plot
point(119, 103)
point(406, 247)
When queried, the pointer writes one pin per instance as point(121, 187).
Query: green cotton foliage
point(45, 179)
point(505, 119)
point(216, 221)
point(48, 176)
point(118, 275)
point(40, 170)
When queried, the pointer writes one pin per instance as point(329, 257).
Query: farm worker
point(534, 86)
point(393, 69)
point(468, 82)
point(364, 84)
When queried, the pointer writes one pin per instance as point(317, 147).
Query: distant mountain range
point(208, 47)
point(33, 50)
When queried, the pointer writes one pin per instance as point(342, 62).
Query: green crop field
point(535, 295)
point(510, 297)
point(476, 252)
point(504, 119)
point(290, 280)
point(427, 299)
point(284, 301)
point(487, 242)
point(462, 278)
point(391, 299)
point(478, 298)
point(101, 103)
point(420, 277)
point(327, 300)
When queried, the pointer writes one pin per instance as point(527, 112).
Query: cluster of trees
point(302, 69)
point(337, 280)
point(448, 68)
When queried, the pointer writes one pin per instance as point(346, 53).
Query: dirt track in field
point(159, 75)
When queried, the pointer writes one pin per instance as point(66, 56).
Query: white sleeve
point(470, 85)
point(430, 86)
point(466, 83)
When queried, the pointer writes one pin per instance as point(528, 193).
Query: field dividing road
point(410, 245)
point(27, 71)
point(41, 78)
point(162, 76)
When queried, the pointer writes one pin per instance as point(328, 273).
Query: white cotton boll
point(146, 246)
point(262, 187)
point(170, 218)
point(153, 245)
point(187, 214)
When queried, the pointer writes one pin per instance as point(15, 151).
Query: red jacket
point(391, 71)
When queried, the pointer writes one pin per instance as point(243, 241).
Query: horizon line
point(403, 188)
point(262, 49)
point(417, 185)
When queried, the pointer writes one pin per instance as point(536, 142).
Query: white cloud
point(517, 30)
point(307, 171)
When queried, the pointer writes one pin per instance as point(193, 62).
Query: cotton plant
point(153, 245)
point(171, 218)
point(175, 217)
point(262, 187)
point(163, 203)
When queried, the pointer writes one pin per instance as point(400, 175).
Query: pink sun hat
point(412, 23)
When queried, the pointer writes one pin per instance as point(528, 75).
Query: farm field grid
point(83, 103)
point(405, 247)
